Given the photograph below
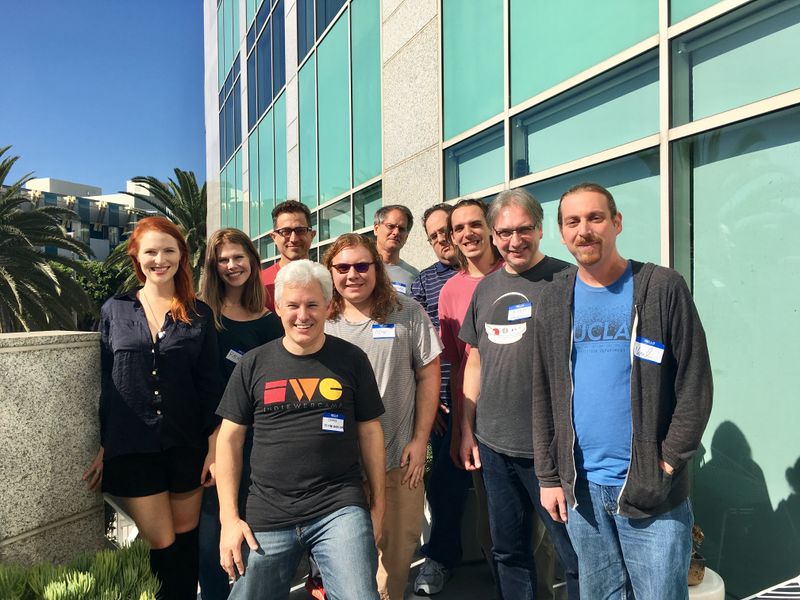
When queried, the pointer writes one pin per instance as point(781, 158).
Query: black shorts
point(174, 470)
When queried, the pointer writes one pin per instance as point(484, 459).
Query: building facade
point(687, 110)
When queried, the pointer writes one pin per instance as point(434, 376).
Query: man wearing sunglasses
point(393, 223)
point(496, 419)
point(292, 234)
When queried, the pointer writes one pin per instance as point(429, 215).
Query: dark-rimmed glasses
point(286, 232)
point(344, 268)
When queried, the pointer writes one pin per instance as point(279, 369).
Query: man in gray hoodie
point(622, 394)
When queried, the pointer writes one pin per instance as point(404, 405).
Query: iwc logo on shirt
point(508, 320)
point(311, 392)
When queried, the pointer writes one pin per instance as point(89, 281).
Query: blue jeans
point(213, 579)
point(512, 491)
point(343, 546)
point(446, 490)
point(621, 557)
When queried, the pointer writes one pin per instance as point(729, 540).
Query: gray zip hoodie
point(670, 400)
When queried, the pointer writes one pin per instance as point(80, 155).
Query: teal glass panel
point(266, 248)
point(333, 106)
point(335, 220)
point(221, 47)
point(307, 134)
point(474, 164)
point(250, 11)
point(472, 45)
point(552, 41)
point(680, 9)
point(366, 82)
point(634, 183)
point(744, 200)
point(233, 44)
point(734, 60)
point(617, 107)
point(254, 192)
point(237, 189)
point(266, 170)
point(279, 110)
point(365, 203)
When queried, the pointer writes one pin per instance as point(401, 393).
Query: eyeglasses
point(286, 232)
point(439, 233)
point(392, 227)
point(506, 234)
point(344, 268)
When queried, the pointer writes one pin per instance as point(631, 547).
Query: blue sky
point(100, 91)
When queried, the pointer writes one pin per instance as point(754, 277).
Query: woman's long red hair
point(184, 299)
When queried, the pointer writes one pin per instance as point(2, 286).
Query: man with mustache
point(622, 394)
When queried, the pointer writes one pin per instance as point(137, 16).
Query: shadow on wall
point(751, 546)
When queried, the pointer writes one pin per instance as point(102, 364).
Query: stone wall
point(49, 432)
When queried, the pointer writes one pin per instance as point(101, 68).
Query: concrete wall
point(49, 432)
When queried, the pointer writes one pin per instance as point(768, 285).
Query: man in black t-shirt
point(314, 405)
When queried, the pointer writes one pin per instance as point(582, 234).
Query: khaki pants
point(401, 529)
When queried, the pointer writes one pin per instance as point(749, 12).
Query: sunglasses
point(360, 267)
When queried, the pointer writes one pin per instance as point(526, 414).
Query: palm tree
point(38, 291)
point(183, 203)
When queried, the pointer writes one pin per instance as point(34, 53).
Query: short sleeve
point(425, 338)
point(237, 402)
point(469, 328)
point(367, 400)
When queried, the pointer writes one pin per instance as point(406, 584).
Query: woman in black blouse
point(232, 288)
point(160, 387)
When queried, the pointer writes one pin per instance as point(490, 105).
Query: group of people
point(570, 398)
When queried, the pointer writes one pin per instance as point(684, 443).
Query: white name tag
point(333, 422)
point(400, 288)
point(517, 312)
point(648, 350)
point(234, 356)
point(383, 332)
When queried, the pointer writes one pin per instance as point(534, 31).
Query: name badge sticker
point(518, 312)
point(399, 287)
point(234, 356)
point(648, 350)
point(333, 422)
point(383, 331)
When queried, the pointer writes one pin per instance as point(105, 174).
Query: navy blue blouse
point(156, 395)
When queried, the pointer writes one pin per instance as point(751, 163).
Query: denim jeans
point(621, 557)
point(213, 579)
point(343, 546)
point(513, 494)
point(446, 490)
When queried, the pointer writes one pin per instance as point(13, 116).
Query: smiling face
point(295, 246)
point(158, 257)
point(588, 230)
point(356, 288)
point(470, 231)
point(233, 264)
point(436, 230)
point(520, 251)
point(302, 309)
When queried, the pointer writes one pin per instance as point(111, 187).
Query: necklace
point(151, 322)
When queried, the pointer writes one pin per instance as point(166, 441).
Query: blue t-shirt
point(601, 371)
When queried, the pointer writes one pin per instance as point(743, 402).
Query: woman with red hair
point(160, 386)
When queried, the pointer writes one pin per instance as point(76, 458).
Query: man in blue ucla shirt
point(620, 403)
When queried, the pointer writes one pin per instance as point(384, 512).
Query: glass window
point(333, 106)
point(266, 171)
point(266, 247)
point(253, 187)
point(474, 164)
point(365, 203)
point(252, 91)
point(237, 190)
point(366, 92)
point(307, 132)
point(278, 49)
point(250, 11)
point(552, 41)
point(326, 11)
point(305, 28)
point(680, 9)
point(221, 47)
point(235, 100)
point(233, 36)
point(741, 189)
point(264, 69)
point(734, 60)
point(472, 45)
point(634, 183)
point(279, 111)
point(335, 220)
point(617, 107)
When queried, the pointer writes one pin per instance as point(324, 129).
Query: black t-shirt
point(239, 337)
point(304, 411)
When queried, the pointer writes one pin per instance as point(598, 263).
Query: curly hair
point(184, 299)
point(384, 298)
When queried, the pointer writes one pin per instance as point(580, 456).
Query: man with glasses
point(393, 223)
point(292, 234)
point(496, 418)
